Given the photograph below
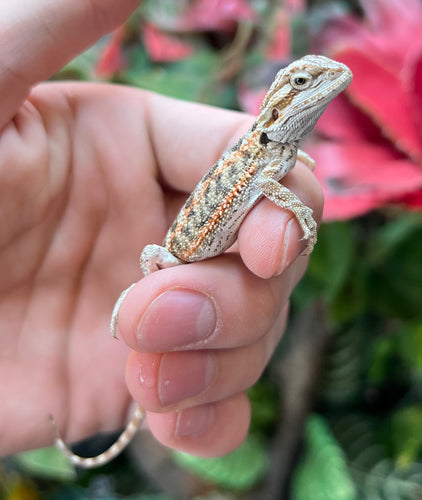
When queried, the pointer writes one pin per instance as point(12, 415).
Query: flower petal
point(162, 47)
point(380, 94)
point(393, 16)
point(412, 81)
point(216, 14)
point(280, 43)
point(111, 58)
point(357, 177)
point(344, 121)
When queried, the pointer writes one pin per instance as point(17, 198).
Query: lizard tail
point(105, 457)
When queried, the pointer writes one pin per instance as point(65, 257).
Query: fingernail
point(177, 318)
point(286, 253)
point(182, 376)
point(194, 421)
point(293, 246)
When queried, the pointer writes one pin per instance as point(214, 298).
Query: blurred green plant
point(322, 474)
point(239, 470)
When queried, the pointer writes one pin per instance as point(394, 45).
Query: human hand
point(89, 174)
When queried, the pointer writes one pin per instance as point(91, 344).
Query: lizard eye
point(274, 114)
point(301, 80)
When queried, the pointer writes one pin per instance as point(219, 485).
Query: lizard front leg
point(284, 198)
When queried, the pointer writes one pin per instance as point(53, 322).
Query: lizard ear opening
point(274, 114)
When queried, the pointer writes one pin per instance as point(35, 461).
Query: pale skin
point(90, 174)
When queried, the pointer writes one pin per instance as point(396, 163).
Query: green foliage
point(394, 258)
point(371, 380)
point(342, 379)
point(409, 348)
point(194, 79)
point(366, 441)
point(46, 463)
point(367, 266)
point(72, 493)
point(239, 470)
point(406, 435)
point(80, 68)
point(265, 405)
point(322, 473)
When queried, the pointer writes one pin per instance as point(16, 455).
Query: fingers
point(195, 136)
point(43, 35)
point(277, 238)
point(194, 397)
point(207, 430)
point(216, 304)
point(206, 387)
point(164, 381)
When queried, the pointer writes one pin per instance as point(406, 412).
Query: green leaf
point(394, 234)
point(82, 66)
point(341, 381)
point(46, 463)
point(265, 405)
point(334, 254)
point(409, 341)
point(330, 265)
point(406, 434)
point(194, 79)
point(382, 355)
point(395, 269)
point(322, 474)
point(239, 470)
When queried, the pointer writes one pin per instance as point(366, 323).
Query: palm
point(68, 250)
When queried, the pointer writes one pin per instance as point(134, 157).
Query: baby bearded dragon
point(208, 223)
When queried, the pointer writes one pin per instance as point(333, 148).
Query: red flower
point(370, 153)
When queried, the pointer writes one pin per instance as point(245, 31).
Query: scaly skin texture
point(208, 223)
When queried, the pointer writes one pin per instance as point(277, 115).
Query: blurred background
point(338, 413)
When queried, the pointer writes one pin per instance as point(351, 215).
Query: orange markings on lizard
point(222, 209)
point(199, 195)
point(184, 216)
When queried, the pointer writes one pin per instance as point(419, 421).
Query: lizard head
point(299, 95)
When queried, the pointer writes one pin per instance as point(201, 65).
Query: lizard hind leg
point(115, 449)
point(153, 258)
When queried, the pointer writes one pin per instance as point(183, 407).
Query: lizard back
point(209, 221)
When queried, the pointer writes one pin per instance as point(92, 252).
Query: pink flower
point(370, 152)
point(215, 14)
point(163, 47)
point(111, 58)
point(200, 15)
point(162, 27)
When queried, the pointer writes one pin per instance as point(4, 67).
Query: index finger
point(38, 37)
point(188, 138)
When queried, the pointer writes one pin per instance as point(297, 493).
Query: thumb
point(37, 37)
